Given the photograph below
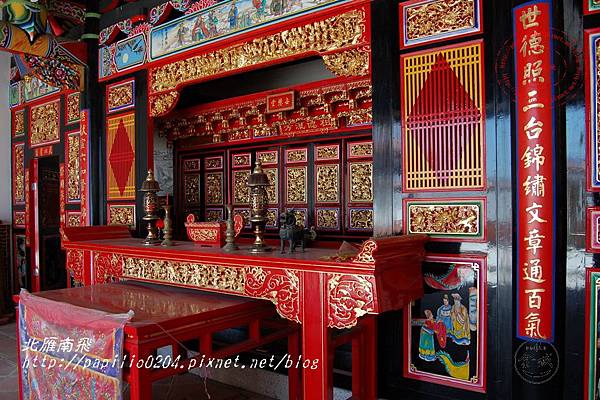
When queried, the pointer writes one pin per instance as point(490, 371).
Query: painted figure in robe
point(430, 327)
point(443, 313)
point(461, 333)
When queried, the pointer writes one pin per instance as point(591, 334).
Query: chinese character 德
point(533, 45)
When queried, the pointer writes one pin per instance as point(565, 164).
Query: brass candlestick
point(150, 187)
point(258, 182)
point(230, 232)
point(167, 230)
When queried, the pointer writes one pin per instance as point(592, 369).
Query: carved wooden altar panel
point(120, 157)
point(44, 124)
point(72, 165)
point(443, 142)
point(120, 96)
point(121, 214)
point(72, 108)
point(18, 175)
point(18, 123)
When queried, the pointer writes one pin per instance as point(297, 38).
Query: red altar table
point(311, 288)
point(167, 317)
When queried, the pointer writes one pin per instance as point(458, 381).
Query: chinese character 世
point(533, 271)
point(533, 72)
point(534, 212)
point(534, 241)
point(534, 299)
point(533, 45)
point(528, 17)
point(533, 128)
point(533, 325)
point(534, 157)
point(535, 186)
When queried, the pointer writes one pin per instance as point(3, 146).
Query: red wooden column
point(316, 383)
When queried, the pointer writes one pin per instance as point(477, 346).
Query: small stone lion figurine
point(294, 234)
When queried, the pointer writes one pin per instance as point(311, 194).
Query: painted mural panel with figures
point(446, 329)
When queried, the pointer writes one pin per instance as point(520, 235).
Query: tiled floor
point(183, 387)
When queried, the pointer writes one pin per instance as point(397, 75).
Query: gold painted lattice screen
point(443, 118)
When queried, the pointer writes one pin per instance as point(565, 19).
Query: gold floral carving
point(268, 157)
point(121, 215)
point(73, 104)
point(19, 173)
point(120, 96)
point(272, 191)
point(361, 219)
point(361, 150)
point(19, 123)
point(438, 17)
point(296, 185)
point(271, 217)
point(74, 219)
point(203, 235)
point(328, 218)
point(349, 297)
point(73, 170)
point(353, 62)
point(280, 287)
point(241, 160)
point(328, 152)
point(330, 34)
point(213, 163)
point(191, 189)
point(228, 279)
point(300, 217)
point(444, 219)
point(214, 215)
point(19, 218)
point(214, 188)
point(241, 192)
point(44, 123)
point(296, 155)
point(361, 182)
point(163, 103)
point(328, 183)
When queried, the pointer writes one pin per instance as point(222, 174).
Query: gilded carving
point(439, 17)
point(74, 265)
point(272, 214)
point(162, 103)
point(214, 188)
point(300, 215)
point(328, 178)
point(19, 173)
point(280, 287)
point(361, 218)
point(241, 160)
point(296, 182)
point(267, 157)
point(191, 188)
point(73, 103)
point(73, 219)
point(214, 215)
point(19, 218)
point(333, 33)
point(203, 235)
point(295, 156)
point(213, 163)
point(272, 191)
point(44, 123)
point(328, 218)
point(241, 192)
point(73, 170)
point(120, 96)
point(108, 267)
point(328, 152)
point(365, 255)
point(349, 297)
point(361, 182)
point(353, 62)
point(19, 123)
point(361, 149)
point(121, 215)
point(457, 219)
point(228, 279)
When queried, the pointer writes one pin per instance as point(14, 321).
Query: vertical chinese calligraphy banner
point(535, 170)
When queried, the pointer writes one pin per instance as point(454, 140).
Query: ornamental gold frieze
point(296, 185)
point(328, 218)
point(363, 149)
point(334, 33)
point(19, 173)
point(19, 123)
point(361, 219)
point(121, 215)
point(361, 182)
point(328, 178)
point(273, 189)
point(73, 106)
point(44, 123)
point(241, 192)
point(191, 189)
point(214, 188)
point(353, 62)
point(73, 167)
point(163, 103)
point(228, 279)
point(120, 96)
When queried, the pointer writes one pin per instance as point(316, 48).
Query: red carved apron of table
point(311, 288)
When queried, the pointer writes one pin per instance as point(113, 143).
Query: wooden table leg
point(369, 357)
point(316, 346)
